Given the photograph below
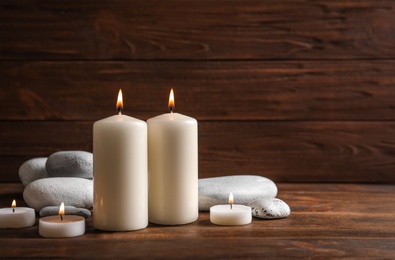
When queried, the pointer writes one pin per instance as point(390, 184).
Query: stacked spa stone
point(68, 177)
point(62, 177)
point(257, 192)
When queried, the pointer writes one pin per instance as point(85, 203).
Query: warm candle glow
point(61, 211)
point(171, 100)
point(231, 201)
point(120, 102)
point(13, 206)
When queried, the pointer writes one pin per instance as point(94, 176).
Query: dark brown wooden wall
point(298, 90)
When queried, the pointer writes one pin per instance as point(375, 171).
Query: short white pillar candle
point(17, 217)
point(62, 226)
point(230, 215)
point(173, 168)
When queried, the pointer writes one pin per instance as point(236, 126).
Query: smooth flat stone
point(77, 192)
point(245, 188)
point(70, 164)
point(269, 208)
point(33, 169)
point(68, 210)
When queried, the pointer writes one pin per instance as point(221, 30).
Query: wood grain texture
point(327, 221)
point(300, 151)
point(282, 151)
point(296, 90)
point(196, 29)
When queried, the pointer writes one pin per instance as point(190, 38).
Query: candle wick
point(171, 109)
point(13, 210)
point(231, 205)
point(61, 217)
point(119, 111)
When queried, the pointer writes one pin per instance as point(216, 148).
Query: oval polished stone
point(77, 192)
point(269, 208)
point(68, 210)
point(33, 169)
point(245, 188)
point(70, 164)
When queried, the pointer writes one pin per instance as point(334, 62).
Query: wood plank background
point(298, 91)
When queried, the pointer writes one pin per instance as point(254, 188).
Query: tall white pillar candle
point(173, 168)
point(120, 173)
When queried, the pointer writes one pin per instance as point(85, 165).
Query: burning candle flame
point(120, 102)
point(171, 101)
point(61, 211)
point(231, 201)
point(13, 205)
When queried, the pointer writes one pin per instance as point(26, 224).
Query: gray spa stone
point(269, 208)
point(77, 192)
point(245, 188)
point(70, 164)
point(33, 169)
point(68, 210)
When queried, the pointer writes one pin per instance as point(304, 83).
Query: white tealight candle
point(230, 215)
point(173, 168)
point(62, 226)
point(17, 217)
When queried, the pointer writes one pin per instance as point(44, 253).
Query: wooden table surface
point(327, 220)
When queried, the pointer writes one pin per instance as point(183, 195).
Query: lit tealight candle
point(17, 217)
point(230, 215)
point(62, 225)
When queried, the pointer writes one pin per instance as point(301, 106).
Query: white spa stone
point(33, 169)
point(246, 188)
point(77, 192)
point(68, 210)
point(70, 164)
point(269, 208)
